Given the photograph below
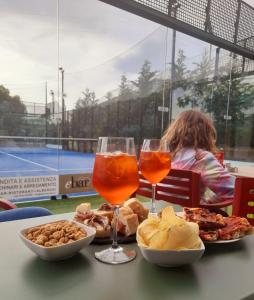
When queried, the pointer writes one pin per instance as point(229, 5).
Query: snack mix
point(55, 234)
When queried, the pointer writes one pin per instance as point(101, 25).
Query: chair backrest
point(180, 187)
point(6, 204)
point(243, 204)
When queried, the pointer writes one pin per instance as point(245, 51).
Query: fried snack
point(215, 227)
point(168, 232)
point(204, 218)
point(209, 236)
point(55, 234)
point(235, 228)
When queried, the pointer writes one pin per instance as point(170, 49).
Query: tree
point(241, 98)
point(145, 79)
point(88, 98)
point(197, 84)
point(12, 112)
point(180, 68)
point(85, 114)
point(124, 97)
point(125, 91)
point(213, 98)
point(109, 100)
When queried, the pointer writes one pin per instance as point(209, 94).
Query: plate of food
point(131, 214)
point(215, 228)
point(169, 241)
point(57, 240)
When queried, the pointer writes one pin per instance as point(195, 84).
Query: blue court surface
point(43, 161)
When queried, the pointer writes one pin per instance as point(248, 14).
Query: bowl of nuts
point(57, 240)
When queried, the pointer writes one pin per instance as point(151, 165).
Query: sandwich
point(83, 211)
point(105, 210)
point(127, 221)
point(86, 216)
point(138, 208)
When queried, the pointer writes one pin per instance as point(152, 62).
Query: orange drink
point(115, 176)
point(155, 165)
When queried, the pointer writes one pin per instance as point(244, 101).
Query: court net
point(22, 144)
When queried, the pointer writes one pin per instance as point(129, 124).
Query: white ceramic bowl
point(172, 258)
point(59, 252)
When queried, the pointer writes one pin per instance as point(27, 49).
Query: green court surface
point(68, 205)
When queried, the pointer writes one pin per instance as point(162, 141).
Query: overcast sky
point(98, 43)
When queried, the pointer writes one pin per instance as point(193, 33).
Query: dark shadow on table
point(50, 278)
point(167, 283)
point(225, 249)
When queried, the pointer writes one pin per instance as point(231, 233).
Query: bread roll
point(105, 213)
point(83, 208)
point(130, 223)
point(138, 208)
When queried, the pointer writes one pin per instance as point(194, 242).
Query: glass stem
point(153, 209)
point(116, 214)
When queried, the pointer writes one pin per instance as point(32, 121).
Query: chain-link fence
point(227, 24)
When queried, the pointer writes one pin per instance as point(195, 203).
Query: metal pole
point(172, 75)
point(228, 100)
point(63, 104)
point(46, 109)
point(53, 102)
point(58, 51)
point(164, 82)
point(173, 6)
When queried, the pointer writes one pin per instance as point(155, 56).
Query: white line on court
point(28, 161)
point(15, 171)
point(82, 169)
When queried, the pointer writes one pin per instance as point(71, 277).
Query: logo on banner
point(75, 183)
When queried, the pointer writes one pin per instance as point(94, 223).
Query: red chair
point(6, 204)
point(243, 204)
point(180, 187)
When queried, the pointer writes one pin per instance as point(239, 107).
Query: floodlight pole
point(46, 109)
point(53, 101)
point(171, 93)
point(63, 104)
point(173, 6)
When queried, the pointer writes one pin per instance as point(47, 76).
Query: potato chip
point(146, 230)
point(169, 232)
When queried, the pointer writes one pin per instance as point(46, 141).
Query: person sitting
point(13, 213)
point(192, 138)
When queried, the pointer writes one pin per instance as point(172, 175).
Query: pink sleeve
point(214, 176)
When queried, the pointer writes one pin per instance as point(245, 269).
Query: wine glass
point(155, 164)
point(115, 178)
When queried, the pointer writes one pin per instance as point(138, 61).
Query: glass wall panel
point(125, 76)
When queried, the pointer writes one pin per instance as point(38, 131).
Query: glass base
point(152, 215)
point(115, 256)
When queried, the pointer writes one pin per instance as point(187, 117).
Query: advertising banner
point(14, 187)
point(75, 183)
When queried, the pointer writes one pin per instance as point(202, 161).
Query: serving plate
point(180, 214)
point(223, 241)
point(121, 239)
